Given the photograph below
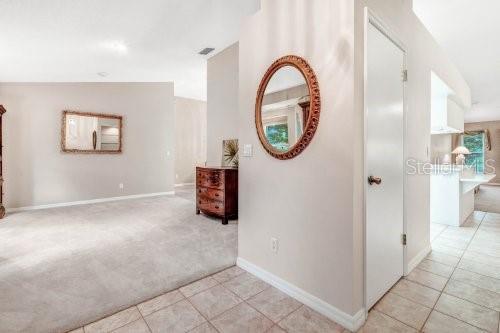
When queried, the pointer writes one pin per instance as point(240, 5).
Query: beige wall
point(37, 173)
point(313, 203)
point(306, 202)
point(222, 102)
point(190, 138)
point(494, 154)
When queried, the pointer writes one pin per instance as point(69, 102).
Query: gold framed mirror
point(287, 107)
point(91, 133)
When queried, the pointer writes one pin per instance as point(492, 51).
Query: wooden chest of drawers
point(217, 192)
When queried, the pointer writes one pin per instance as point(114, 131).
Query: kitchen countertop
point(482, 178)
point(469, 183)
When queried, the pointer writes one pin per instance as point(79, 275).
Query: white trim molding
point(417, 259)
point(183, 184)
point(86, 202)
point(352, 323)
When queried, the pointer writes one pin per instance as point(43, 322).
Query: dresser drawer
point(213, 179)
point(210, 193)
point(210, 206)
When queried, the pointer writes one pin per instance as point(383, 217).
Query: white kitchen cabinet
point(452, 193)
point(447, 115)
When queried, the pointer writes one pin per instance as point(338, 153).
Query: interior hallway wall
point(36, 172)
point(222, 101)
point(306, 202)
point(190, 138)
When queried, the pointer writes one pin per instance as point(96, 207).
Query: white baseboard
point(352, 323)
point(183, 184)
point(417, 259)
point(86, 202)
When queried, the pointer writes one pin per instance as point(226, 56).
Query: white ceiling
point(468, 31)
point(129, 40)
point(285, 78)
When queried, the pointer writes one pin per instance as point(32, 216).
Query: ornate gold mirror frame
point(64, 147)
point(315, 106)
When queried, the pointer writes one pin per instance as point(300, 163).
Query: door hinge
point(404, 239)
point(404, 75)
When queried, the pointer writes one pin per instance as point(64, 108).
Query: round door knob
point(374, 180)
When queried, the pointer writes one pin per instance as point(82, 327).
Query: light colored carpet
point(63, 268)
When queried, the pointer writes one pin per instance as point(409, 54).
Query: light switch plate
point(247, 150)
point(275, 245)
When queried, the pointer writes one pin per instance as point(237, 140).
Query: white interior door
point(384, 153)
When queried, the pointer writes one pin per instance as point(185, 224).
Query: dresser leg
point(224, 220)
point(197, 212)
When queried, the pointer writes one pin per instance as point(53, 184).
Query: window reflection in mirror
point(86, 132)
point(285, 108)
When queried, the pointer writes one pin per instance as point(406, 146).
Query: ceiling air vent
point(206, 50)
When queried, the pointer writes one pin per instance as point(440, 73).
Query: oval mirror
point(287, 108)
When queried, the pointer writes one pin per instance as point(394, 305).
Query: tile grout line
point(421, 284)
point(98, 320)
point(439, 233)
point(443, 253)
point(296, 310)
point(245, 301)
point(222, 285)
point(402, 296)
point(440, 292)
point(250, 305)
point(385, 314)
point(201, 314)
point(162, 308)
point(448, 280)
point(198, 292)
point(149, 328)
point(391, 291)
point(428, 271)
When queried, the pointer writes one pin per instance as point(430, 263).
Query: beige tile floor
point(455, 289)
point(229, 301)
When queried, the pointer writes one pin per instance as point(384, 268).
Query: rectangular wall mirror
point(91, 133)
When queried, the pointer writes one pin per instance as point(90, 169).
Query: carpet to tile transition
point(63, 268)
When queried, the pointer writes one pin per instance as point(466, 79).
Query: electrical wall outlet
point(120, 186)
point(274, 245)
